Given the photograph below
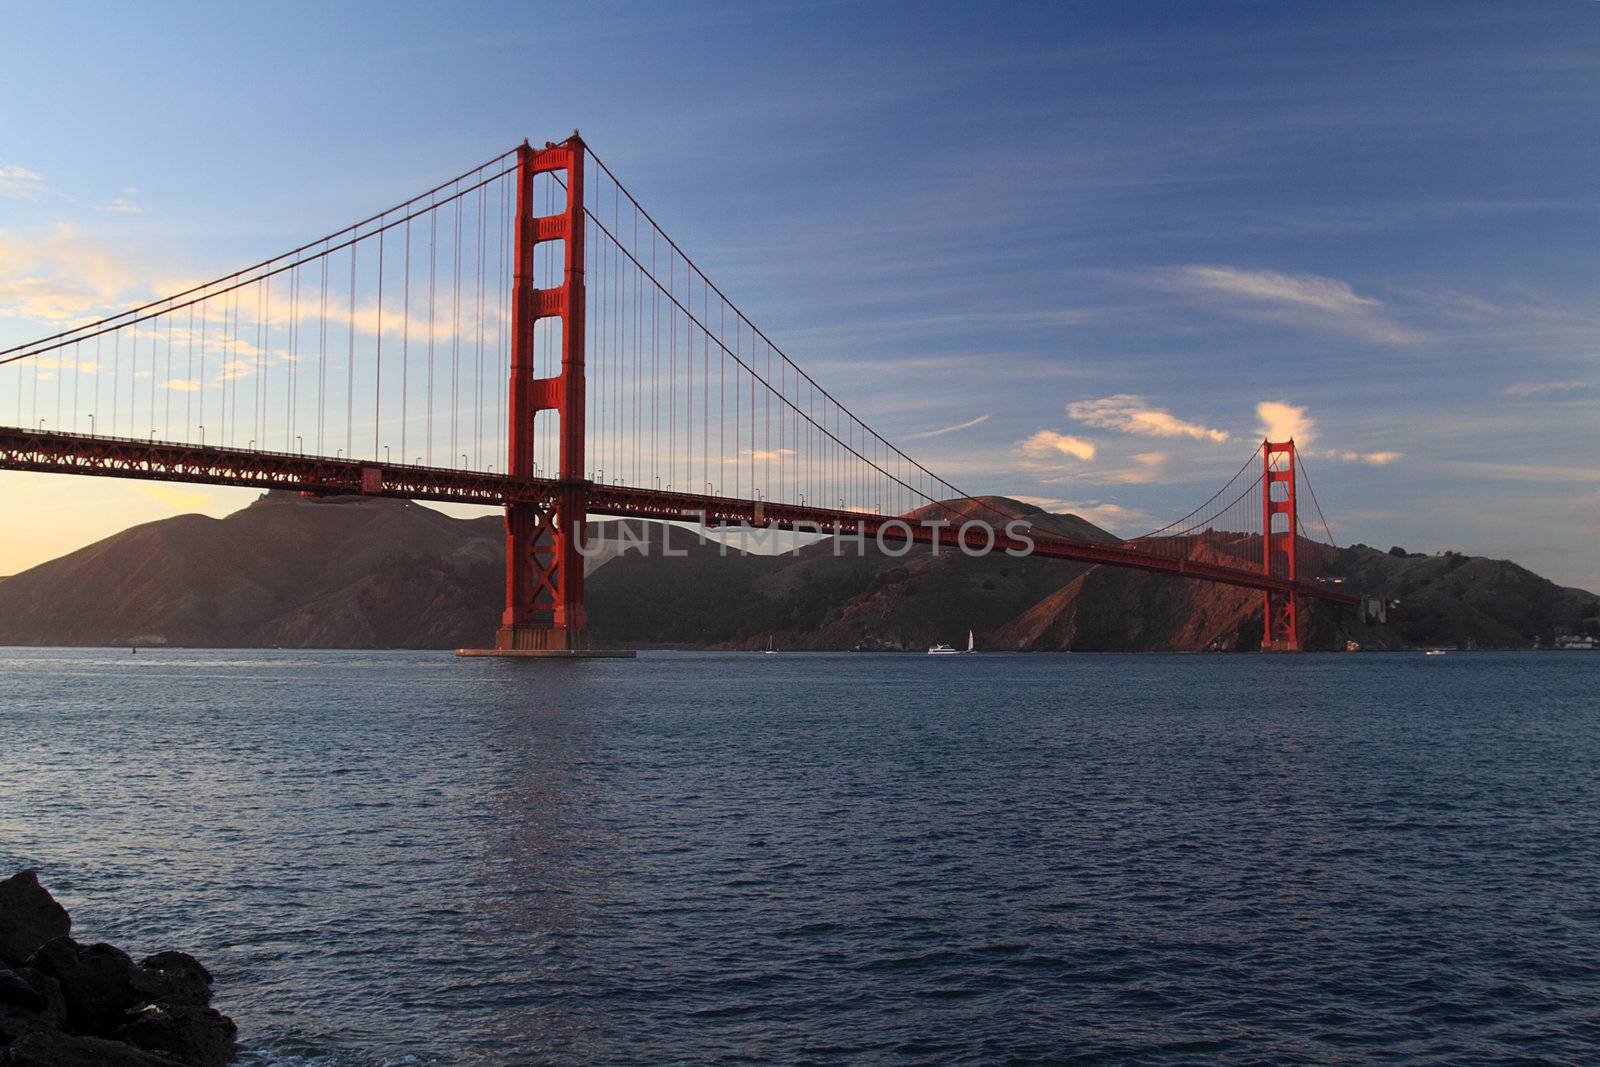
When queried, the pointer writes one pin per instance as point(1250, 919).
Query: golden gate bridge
point(527, 336)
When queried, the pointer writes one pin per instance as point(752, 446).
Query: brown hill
point(1455, 599)
point(367, 573)
point(830, 594)
point(1128, 611)
point(339, 572)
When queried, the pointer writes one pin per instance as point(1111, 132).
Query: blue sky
point(1111, 241)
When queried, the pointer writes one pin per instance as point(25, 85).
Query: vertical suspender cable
point(433, 237)
point(405, 348)
point(350, 368)
point(477, 409)
point(377, 374)
point(455, 339)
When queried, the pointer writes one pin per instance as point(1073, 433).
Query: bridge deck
point(60, 453)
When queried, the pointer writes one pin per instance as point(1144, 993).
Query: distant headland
point(373, 573)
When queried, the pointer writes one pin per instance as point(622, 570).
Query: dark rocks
point(92, 1004)
point(29, 916)
point(73, 1050)
point(199, 1036)
point(52, 1002)
point(29, 1002)
point(100, 983)
point(182, 978)
point(17, 991)
point(17, 1023)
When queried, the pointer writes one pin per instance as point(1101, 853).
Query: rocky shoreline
point(65, 1004)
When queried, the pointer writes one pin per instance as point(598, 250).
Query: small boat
point(1434, 652)
point(946, 650)
point(769, 650)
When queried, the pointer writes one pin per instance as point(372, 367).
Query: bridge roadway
point(121, 457)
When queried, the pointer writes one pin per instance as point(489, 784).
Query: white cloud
point(1536, 388)
point(969, 424)
point(1282, 421)
point(1048, 444)
point(1135, 414)
point(1310, 301)
point(20, 183)
point(123, 206)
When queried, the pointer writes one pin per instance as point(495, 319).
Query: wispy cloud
point(20, 183)
point(765, 455)
point(1538, 388)
point(59, 276)
point(1135, 414)
point(1108, 516)
point(1517, 322)
point(1048, 444)
point(1536, 473)
point(969, 424)
point(122, 206)
point(234, 370)
point(1376, 459)
point(1308, 301)
point(1385, 216)
point(1300, 290)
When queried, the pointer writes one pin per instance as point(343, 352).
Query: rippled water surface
point(406, 858)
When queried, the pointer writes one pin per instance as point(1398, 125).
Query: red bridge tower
point(544, 569)
point(1280, 622)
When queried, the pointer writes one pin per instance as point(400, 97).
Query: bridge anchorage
point(531, 316)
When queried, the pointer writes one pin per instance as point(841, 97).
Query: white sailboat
point(946, 650)
point(769, 650)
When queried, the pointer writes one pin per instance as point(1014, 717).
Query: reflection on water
point(409, 858)
point(543, 865)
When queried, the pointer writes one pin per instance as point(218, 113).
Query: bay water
point(397, 858)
